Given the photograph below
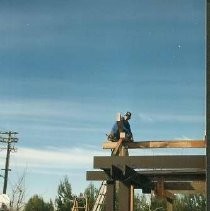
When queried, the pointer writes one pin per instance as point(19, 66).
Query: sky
point(67, 67)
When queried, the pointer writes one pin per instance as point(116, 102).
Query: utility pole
point(8, 138)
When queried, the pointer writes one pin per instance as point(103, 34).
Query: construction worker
point(125, 127)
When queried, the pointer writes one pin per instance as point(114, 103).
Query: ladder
point(100, 198)
point(76, 206)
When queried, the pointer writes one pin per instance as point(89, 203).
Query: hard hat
point(128, 114)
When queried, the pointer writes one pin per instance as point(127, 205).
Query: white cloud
point(44, 160)
point(145, 117)
point(39, 108)
point(43, 110)
point(183, 138)
point(154, 117)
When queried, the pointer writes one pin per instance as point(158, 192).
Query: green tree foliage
point(141, 203)
point(158, 203)
point(181, 203)
point(36, 203)
point(50, 206)
point(91, 193)
point(64, 200)
point(190, 203)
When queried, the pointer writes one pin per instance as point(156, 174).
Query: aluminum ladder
point(101, 197)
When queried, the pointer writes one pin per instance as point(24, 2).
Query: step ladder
point(76, 206)
point(101, 197)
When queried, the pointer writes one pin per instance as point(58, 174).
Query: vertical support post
point(132, 198)
point(208, 105)
point(123, 151)
point(110, 196)
point(169, 204)
point(159, 187)
point(124, 197)
point(86, 204)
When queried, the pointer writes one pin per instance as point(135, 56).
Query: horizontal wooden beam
point(186, 192)
point(158, 144)
point(184, 185)
point(188, 187)
point(155, 175)
point(97, 176)
point(176, 186)
point(151, 162)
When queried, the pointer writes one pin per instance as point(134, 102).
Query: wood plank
point(124, 197)
point(154, 175)
point(110, 197)
point(151, 162)
point(158, 144)
point(97, 175)
point(117, 147)
point(175, 184)
point(184, 187)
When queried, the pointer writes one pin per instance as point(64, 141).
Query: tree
point(64, 200)
point(18, 193)
point(181, 203)
point(190, 202)
point(140, 203)
point(91, 193)
point(36, 203)
point(50, 206)
point(158, 203)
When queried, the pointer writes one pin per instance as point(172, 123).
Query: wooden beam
point(154, 175)
point(151, 162)
point(158, 144)
point(110, 197)
point(185, 192)
point(176, 175)
point(117, 147)
point(182, 184)
point(97, 176)
point(184, 188)
point(124, 197)
point(197, 186)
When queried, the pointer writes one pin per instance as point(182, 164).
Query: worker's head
point(127, 115)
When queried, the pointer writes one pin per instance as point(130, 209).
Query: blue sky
point(67, 67)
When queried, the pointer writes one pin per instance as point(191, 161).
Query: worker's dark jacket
point(126, 128)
